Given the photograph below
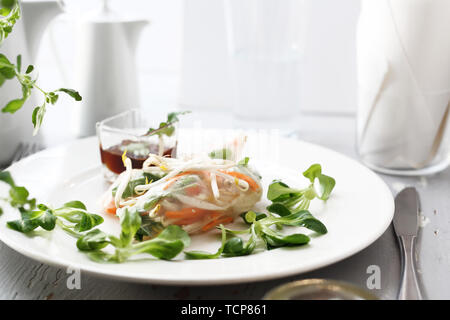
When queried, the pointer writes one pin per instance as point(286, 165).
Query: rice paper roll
point(196, 194)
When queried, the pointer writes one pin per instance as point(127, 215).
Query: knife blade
point(406, 216)
point(406, 225)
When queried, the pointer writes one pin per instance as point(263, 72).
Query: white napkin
point(403, 56)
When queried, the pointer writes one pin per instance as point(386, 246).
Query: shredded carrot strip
point(253, 185)
point(186, 216)
point(216, 222)
point(185, 213)
point(193, 190)
point(111, 208)
point(184, 222)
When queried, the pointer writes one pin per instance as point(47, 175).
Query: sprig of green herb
point(197, 254)
point(18, 196)
point(286, 199)
point(167, 245)
point(133, 183)
point(261, 234)
point(10, 10)
point(289, 208)
point(9, 14)
point(73, 218)
point(244, 162)
point(166, 128)
point(224, 153)
point(9, 70)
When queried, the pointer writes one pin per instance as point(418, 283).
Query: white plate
point(358, 212)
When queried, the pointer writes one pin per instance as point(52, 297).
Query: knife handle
point(409, 286)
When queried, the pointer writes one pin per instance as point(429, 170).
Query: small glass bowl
point(318, 289)
point(126, 132)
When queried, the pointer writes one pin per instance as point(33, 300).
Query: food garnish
point(289, 208)
point(158, 210)
point(166, 128)
point(197, 194)
point(10, 13)
point(72, 217)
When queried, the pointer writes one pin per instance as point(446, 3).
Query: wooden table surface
point(24, 278)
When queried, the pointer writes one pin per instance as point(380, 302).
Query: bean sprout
point(125, 179)
point(214, 187)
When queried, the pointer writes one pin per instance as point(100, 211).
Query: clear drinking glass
point(265, 53)
point(403, 86)
point(126, 133)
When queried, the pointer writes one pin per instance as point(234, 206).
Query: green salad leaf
point(9, 14)
point(93, 240)
point(71, 219)
point(224, 153)
point(197, 254)
point(130, 221)
point(257, 216)
point(72, 216)
point(244, 162)
point(167, 245)
point(264, 230)
point(78, 216)
point(289, 208)
point(18, 196)
point(166, 128)
point(129, 190)
point(149, 228)
point(286, 199)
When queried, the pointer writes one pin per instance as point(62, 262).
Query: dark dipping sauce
point(137, 152)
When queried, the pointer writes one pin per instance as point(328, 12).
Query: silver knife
point(406, 224)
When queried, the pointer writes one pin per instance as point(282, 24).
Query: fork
point(25, 149)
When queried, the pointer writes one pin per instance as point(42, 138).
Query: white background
point(181, 56)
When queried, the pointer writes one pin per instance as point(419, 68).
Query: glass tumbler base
point(435, 168)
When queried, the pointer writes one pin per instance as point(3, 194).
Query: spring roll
point(196, 194)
